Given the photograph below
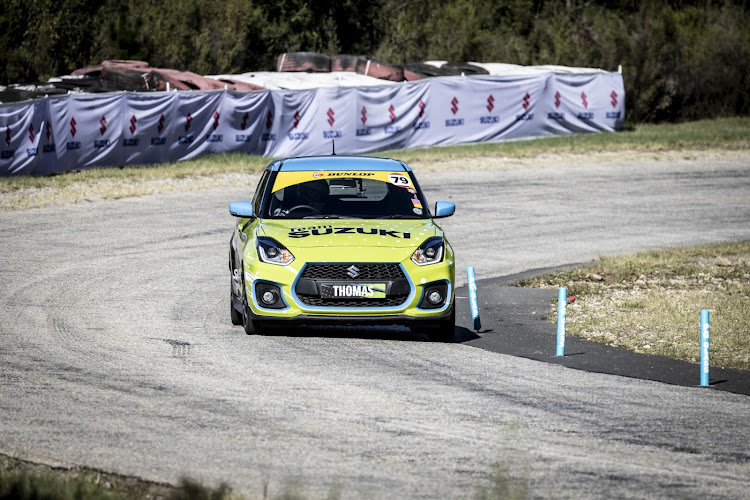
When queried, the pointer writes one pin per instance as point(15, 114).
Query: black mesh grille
point(313, 301)
point(367, 272)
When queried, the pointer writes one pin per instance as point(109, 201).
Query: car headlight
point(429, 252)
point(273, 252)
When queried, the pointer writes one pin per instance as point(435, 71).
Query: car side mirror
point(242, 209)
point(444, 209)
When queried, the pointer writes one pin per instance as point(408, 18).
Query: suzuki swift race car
point(343, 240)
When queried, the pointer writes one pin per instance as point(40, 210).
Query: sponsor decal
point(392, 113)
point(160, 125)
point(48, 130)
point(185, 139)
point(454, 122)
point(216, 120)
point(158, 141)
point(48, 148)
point(615, 115)
point(363, 131)
point(215, 138)
point(266, 137)
point(31, 133)
point(73, 124)
point(366, 291)
point(421, 125)
point(489, 120)
point(188, 122)
point(130, 142)
point(242, 137)
point(245, 118)
point(525, 104)
point(363, 115)
point(269, 119)
point(454, 105)
point(7, 154)
point(297, 117)
point(613, 99)
point(331, 120)
point(422, 105)
point(7, 135)
point(332, 134)
point(298, 136)
point(392, 129)
point(324, 230)
point(490, 103)
point(72, 145)
point(133, 121)
point(102, 125)
point(30, 152)
point(584, 101)
point(557, 99)
point(556, 116)
point(103, 143)
point(588, 115)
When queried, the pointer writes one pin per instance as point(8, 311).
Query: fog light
point(268, 297)
point(435, 297)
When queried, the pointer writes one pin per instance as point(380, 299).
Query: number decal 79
point(399, 180)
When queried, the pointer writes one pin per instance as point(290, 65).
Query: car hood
point(311, 233)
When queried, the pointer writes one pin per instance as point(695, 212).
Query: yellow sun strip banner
point(286, 179)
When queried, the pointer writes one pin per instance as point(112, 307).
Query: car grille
point(313, 301)
point(367, 272)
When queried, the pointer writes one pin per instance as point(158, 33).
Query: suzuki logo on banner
point(526, 104)
point(364, 115)
point(133, 121)
point(269, 119)
point(48, 129)
point(613, 95)
point(422, 105)
point(392, 113)
point(160, 127)
point(216, 120)
point(73, 126)
point(103, 123)
point(31, 132)
point(526, 99)
point(7, 135)
point(490, 103)
point(557, 99)
point(243, 126)
point(331, 120)
point(297, 117)
point(188, 120)
point(454, 105)
point(584, 101)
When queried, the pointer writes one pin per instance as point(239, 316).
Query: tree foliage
point(681, 59)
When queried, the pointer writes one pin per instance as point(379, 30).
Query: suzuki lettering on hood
point(326, 230)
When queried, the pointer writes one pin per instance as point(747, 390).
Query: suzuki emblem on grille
point(353, 271)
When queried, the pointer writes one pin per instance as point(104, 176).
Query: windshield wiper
point(330, 216)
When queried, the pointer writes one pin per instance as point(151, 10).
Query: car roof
point(339, 163)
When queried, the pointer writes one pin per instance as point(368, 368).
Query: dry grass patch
point(650, 302)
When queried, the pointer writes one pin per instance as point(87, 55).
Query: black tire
point(446, 330)
point(234, 313)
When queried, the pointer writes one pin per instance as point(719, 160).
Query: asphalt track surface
point(116, 350)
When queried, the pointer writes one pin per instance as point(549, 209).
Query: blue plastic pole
point(704, 347)
point(561, 302)
point(473, 297)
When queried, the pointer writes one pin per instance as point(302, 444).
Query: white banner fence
point(79, 131)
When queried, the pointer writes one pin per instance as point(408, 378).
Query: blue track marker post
point(704, 347)
point(562, 300)
point(472, 285)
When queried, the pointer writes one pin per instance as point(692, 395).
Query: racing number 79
point(399, 179)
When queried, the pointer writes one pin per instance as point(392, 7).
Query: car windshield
point(361, 195)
